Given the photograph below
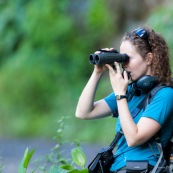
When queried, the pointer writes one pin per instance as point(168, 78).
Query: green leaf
point(67, 167)
point(25, 161)
point(78, 156)
point(28, 158)
point(21, 168)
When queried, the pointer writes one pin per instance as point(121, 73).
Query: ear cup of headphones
point(146, 82)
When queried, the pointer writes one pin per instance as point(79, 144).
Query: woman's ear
point(149, 58)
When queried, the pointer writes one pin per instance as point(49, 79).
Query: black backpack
point(168, 149)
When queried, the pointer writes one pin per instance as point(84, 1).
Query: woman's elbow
point(131, 144)
point(134, 143)
point(80, 115)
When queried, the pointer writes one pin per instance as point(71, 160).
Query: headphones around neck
point(144, 83)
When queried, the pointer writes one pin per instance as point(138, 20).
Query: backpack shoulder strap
point(168, 151)
point(152, 93)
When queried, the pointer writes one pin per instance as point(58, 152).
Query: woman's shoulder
point(165, 93)
point(166, 89)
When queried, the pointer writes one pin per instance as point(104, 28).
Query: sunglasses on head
point(143, 34)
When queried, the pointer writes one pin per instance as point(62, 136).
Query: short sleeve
point(111, 101)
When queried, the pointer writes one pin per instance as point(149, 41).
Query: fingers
point(125, 76)
point(118, 70)
point(117, 67)
point(107, 49)
point(109, 67)
point(113, 68)
point(104, 49)
point(97, 52)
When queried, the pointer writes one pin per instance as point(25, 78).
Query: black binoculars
point(107, 57)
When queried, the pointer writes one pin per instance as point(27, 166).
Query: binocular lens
point(92, 59)
point(97, 59)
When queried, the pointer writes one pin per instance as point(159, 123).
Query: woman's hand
point(119, 84)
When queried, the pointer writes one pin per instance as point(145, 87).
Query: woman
point(148, 55)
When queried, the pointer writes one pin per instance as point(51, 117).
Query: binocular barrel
point(107, 58)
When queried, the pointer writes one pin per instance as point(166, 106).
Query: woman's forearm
point(86, 101)
point(128, 126)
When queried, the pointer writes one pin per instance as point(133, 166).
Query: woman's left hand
point(119, 84)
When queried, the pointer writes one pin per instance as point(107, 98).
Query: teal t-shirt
point(161, 110)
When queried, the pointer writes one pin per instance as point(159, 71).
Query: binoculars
point(108, 57)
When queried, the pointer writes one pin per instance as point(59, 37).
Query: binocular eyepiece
point(107, 57)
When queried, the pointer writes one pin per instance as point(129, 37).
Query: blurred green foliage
point(161, 21)
point(44, 50)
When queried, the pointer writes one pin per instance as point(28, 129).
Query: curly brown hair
point(156, 44)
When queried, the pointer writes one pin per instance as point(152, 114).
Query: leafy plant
point(56, 158)
point(55, 162)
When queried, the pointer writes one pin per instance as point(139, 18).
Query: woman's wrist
point(97, 73)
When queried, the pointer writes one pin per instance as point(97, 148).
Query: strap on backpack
point(152, 93)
